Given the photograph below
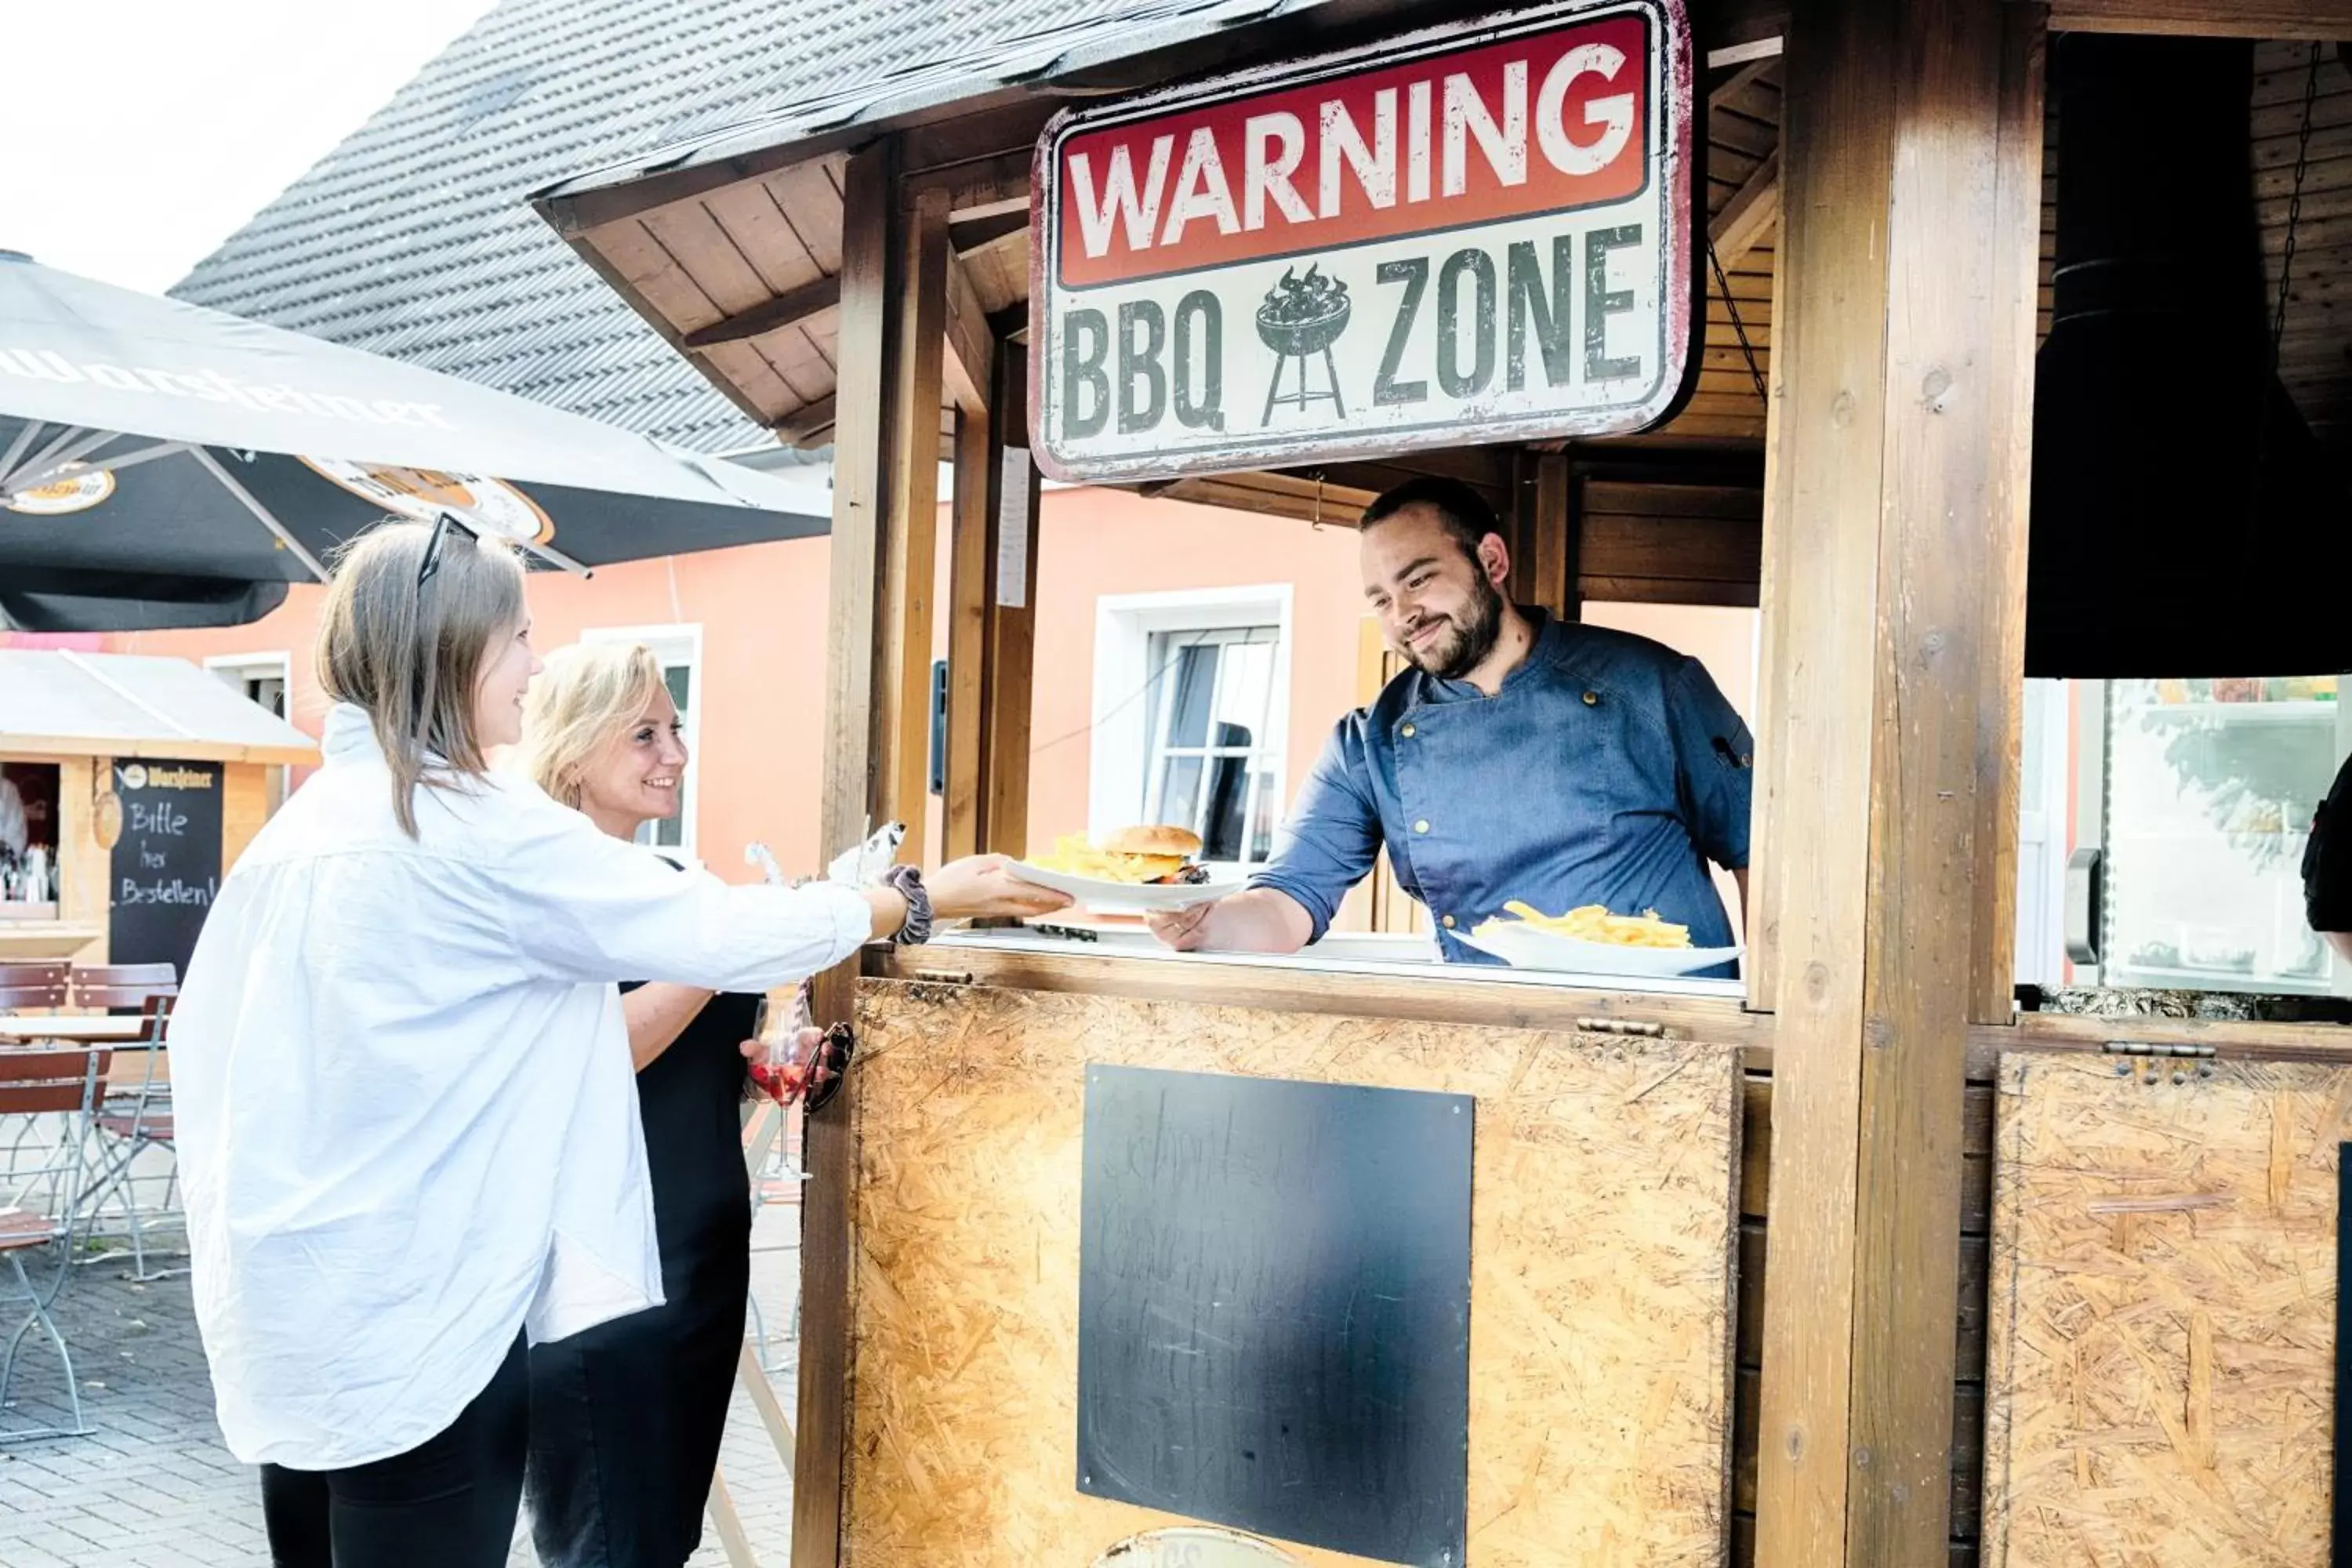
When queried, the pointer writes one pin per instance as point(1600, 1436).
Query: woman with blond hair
point(626, 1417)
point(406, 1116)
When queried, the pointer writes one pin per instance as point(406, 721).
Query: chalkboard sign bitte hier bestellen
point(167, 864)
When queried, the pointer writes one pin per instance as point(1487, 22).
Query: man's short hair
point(1464, 511)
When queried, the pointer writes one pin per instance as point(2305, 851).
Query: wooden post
point(912, 552)
point(862, 444)
point(1011, 631)
point(1554, 534)
point(1903, 359)
point(972, 590)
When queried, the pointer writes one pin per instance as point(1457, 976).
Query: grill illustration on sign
point(1300, 319)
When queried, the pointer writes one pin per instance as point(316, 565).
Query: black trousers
point(450, 1501)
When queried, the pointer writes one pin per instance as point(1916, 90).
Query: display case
point(2206, 790)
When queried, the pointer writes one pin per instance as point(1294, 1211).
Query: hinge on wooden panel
point(1621, 1026)
point(2153, 1048)
point(940, 977)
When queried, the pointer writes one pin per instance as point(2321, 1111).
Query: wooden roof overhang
point(732, 250)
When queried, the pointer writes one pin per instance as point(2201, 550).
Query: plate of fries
point(1590, 940)
point(1115, 884)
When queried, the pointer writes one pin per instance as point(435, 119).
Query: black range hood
point(2185, 521)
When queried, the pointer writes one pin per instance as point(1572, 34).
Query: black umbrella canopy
point(163, 465)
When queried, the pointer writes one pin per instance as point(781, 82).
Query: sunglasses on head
point(440, 537)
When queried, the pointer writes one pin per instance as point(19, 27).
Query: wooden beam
point(1738, 82)
point(1518, 520)
point(1736, 28)
point(791, 309)
point(862, 443)
point(971, 591)
point(1011, 323)
point(904, 623)
point(971, 363)
point(969, 136)
point(2016, 279)
point(1557, 526)
point(2326, 20)
point(1753, 209)
point(999, 224)
point(811, 425)
point(1892, 496)
point(1014, 523)
point(982, 183)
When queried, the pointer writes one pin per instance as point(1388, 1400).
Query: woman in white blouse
point(407, 1125)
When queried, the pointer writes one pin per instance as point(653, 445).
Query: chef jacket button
point(1593, 700)
point(1406, 732)
point(1448, 922)
point(1422, 826)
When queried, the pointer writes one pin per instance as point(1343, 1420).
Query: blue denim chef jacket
point(1607, 770)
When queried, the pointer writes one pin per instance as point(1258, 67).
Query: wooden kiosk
point(2042, 1288)
point(143, 780)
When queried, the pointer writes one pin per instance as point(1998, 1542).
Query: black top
point(2327, 858)
point(626, 1417)
point(690, 1099)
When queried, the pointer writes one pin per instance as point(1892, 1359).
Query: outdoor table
point(88, 1028)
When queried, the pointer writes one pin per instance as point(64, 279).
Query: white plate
point(1524, 947)
point(1125, 897)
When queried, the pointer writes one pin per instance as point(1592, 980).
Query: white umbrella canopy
point(163, 464)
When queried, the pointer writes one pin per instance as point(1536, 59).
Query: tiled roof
point(412, 238)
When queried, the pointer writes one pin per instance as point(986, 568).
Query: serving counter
point(1601, 1219)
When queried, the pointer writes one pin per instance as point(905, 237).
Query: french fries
point(1593, 922)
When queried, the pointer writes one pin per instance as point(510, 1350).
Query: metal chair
point(38, 1081)
point(121, 988)
point(130, 1124)
point(29, 986)
point(35, 987)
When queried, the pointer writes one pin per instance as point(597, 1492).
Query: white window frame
point(676, 643)
point(1123, 717)
point(244, 667)
point(2041, 845)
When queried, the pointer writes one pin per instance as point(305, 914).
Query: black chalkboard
point(1273, 1308)
point(167, 863)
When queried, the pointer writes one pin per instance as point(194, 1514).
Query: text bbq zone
point(1479, 233)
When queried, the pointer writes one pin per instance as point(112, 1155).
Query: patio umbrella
point(166, 465)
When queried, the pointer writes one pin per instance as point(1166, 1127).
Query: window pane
point(1180, 792)
point(1196, 680)
point(1228, 807)
point(1246, 695)
point(1261, 836)
point(679, 679)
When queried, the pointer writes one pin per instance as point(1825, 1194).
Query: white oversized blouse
point(408, 1121)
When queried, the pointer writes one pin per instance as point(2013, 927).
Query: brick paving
point(152, 1487)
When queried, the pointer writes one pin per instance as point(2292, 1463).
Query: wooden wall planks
point(2162, 1338)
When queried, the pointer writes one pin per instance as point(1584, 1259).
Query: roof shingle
point(413, 238)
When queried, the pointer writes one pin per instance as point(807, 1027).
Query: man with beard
point(1521, 756)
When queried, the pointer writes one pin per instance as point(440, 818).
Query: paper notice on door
point(1013, 530)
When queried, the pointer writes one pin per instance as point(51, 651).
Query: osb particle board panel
point(2163, 1300)
point(1602, 1244)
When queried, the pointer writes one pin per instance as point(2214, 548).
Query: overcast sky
point(136, 135)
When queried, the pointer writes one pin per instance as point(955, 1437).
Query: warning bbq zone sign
point(1479, 232)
